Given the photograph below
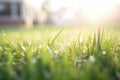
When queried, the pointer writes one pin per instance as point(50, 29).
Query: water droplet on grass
point(56, 51)
point(92, 58)
point(40, 46)
point(0, 48)
point(4, 34)
point(81, 40)
point(103, 52)
point(34, 60)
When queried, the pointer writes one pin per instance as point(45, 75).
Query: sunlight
point(35, 3)
point(94, 10)
point(96, 13)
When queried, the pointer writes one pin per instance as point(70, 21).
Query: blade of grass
point(56, 36)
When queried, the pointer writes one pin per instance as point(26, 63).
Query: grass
point(59, 54)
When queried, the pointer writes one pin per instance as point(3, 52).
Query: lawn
point(59, 53)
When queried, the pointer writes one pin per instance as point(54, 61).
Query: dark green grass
point(59, 54)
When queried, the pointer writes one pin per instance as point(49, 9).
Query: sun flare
point(94, 10)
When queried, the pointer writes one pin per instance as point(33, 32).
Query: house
point(17, 12)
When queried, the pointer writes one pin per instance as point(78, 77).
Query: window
point(18, 9)
point(5, 9)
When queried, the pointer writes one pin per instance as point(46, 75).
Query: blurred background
point(59, 12)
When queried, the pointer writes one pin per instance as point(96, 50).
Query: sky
point(94, 9)
point(75, 4)
point(56, 4)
